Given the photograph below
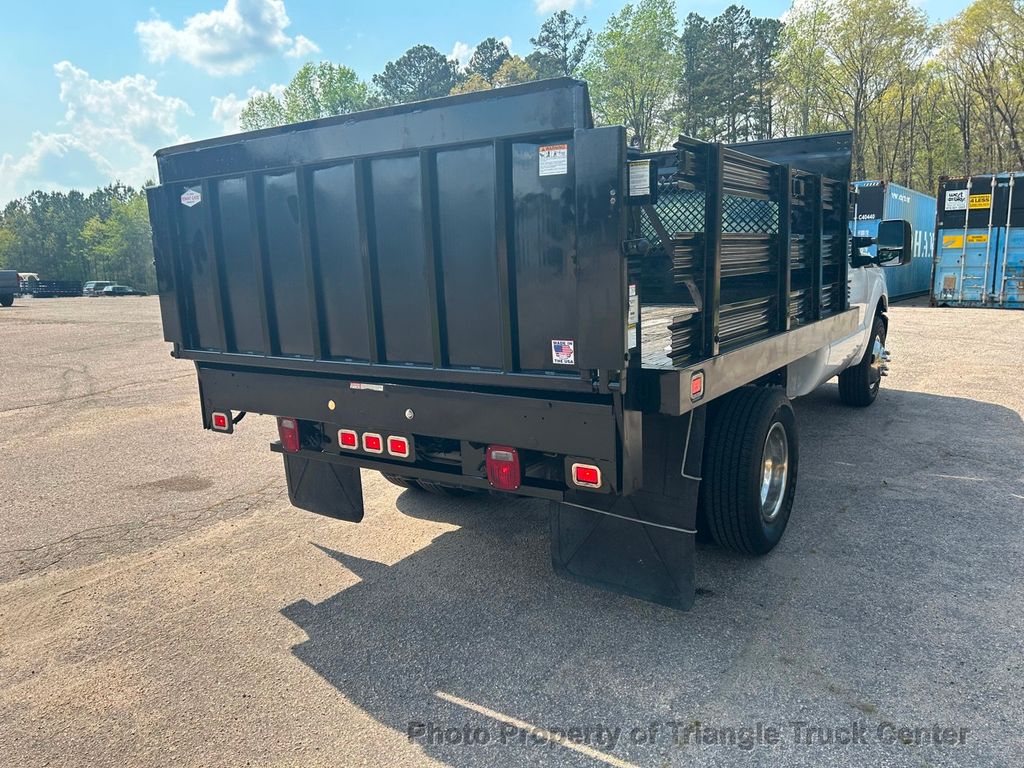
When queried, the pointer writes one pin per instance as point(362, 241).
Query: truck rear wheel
point(426, 485)
point(6, 299)
point(750, 464)
point(858, 386)
point(401, 482)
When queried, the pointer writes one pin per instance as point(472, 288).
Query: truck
point(876, 201)
point(452, 293)
point(979, 242)
point(9, 286)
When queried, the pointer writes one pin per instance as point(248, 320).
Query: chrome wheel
point(878, 366)
point(774, 471)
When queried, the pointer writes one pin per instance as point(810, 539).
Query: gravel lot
point(160, 601)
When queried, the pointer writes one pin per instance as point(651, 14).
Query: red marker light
point(503, 467)
point(221, 421)
point(398, 446)
point(288, 429)
point(586, 475)
point(697, 386)
point(373, 443)
point(347, 438)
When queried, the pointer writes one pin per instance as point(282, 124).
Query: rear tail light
point(288, 429)
point(348, 439)
point(586, 475)
point(373, 443)
point(503, 467)
point(221, 421)
point(398, 446)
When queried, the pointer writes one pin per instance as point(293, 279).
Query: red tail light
point(288, 429)
point(586, 475)
point(398, 446)
point(348, 439)
point(373, 443)
point(220, 421)
point(503, 467)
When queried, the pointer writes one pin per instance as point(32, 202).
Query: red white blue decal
point(563, 351)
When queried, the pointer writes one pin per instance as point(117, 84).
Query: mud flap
point(324, 488)
point(642, 544)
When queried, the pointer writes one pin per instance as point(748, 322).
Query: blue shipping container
point(979, 236)
point(876, 201)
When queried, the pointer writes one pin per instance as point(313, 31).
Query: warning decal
point(563, 351)
point(554, 159)
point(191, 196)
point(956, 199)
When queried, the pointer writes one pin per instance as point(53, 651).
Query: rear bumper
point(419, 473)
point(551, 428)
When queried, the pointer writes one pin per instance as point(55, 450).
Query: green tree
point(472, 83)
point(264, 110)
point(487, 59)
point(871, 44)
point(984, 53)
point(422, 72)
point(317, 90)
point(122, 243)
point(513, 71)
point(802, 83)
point(633, 70)
point(561, 46)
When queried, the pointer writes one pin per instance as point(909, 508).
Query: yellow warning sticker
point(980, 201)
point(952, 241)
point(977, 238)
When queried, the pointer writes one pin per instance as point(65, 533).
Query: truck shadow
point(474, 631)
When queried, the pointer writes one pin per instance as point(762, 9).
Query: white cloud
point(227, 109)
point(110, 130)
point(463, 52)
point(228, 41)
point(302, 47)
point(553, 6)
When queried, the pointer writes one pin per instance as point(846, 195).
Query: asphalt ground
point(161, 603)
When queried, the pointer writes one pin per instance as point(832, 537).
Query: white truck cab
point(860, 359)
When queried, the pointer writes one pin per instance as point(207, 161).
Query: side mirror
point(894, 241)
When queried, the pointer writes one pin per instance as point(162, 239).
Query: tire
point(425, 485)
point(738, 514)
point(444, 490)
point(401, 482)
point(859, 385)
point(6, 299)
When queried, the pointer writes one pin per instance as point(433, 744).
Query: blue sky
point(91, 94)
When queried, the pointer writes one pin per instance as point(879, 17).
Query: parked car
point(121, 290)
point(96, 287)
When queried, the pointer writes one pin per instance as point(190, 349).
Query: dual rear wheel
point(425, 485)
point(751, 455)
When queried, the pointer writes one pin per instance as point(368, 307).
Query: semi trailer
point(486, 292)
point(8, 287)
point(876, 201)
point(979, 242)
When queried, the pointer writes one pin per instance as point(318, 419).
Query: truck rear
point(452, 293)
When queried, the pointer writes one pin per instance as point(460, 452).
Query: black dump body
point(491, 269)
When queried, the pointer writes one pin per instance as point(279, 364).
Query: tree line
point(75, 236)
point(923, 99)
